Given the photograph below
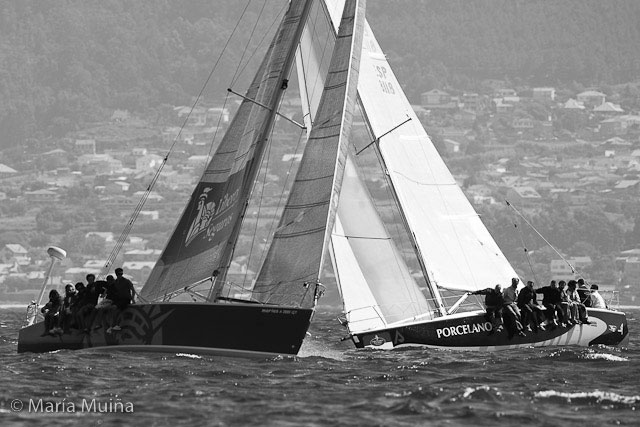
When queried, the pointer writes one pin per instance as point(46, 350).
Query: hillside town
point(540, 148)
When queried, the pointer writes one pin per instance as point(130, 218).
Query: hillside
point(63, 64)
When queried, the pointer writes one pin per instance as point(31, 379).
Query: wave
point(605, 356)
point(597, 396)
point(190, 356)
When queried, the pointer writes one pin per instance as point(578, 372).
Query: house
point(524, 196)
point(142, 255)
point(544, 93)
point(85, 146)
point(41, 196)
point(150, 215)
point(215, 114)
point(79, 274)
point(572, 104)
point(197, 116)
point(465, 117)
point(591, 98)
point(138, 271)
point(627, 185)
point(120, 116)
point(106, 235)
point(148, 162)
point(613, 126)
point(6, 170)
point(471, 101)
point(14, 253)
point(435, 97)
point(152, 197)
point(506, 92)
point(608, 108)
point(521, 123)
point(561, 270)
point(451, 146)
point(502, 107)
point(100, 164)
point(117, 187)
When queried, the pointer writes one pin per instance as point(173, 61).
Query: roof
point(591, 93)
point(435, 92)
point(527, 192)
point(573, 104)
point(7, 169)
point(626, 183)
point(137, 265)
point(608, 107)
point(16, 248)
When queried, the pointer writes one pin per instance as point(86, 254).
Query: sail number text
point(385, 84)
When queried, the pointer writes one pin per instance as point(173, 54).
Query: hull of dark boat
point(471, 331)
point(223, 329)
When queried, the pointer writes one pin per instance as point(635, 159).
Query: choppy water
point(328, 384)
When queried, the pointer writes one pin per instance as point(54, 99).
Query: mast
point(295, 258)
point(272, 109)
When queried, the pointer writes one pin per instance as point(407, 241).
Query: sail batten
point(297, 252)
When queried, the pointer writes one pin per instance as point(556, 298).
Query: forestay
point(297, 252)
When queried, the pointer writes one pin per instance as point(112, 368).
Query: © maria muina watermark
point(110, 406)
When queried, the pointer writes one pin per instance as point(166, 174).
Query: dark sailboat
point(275, 317)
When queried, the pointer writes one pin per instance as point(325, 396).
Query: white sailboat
point(384, 306)
point(275, 318)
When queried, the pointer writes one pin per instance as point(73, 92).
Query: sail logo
point(377, 341)
point(464, 329)
point(207, 211)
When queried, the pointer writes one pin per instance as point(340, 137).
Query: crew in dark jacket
point(552, 302)
point(493, 302)
point(51, 312)
point(532, 316)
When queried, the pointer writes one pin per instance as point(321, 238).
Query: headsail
point(297, 251)
point(376, 286)
point(205, 235)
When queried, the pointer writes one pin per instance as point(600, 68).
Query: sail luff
point(297, 251)
point(207, 230)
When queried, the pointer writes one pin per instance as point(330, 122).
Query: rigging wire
point(573, 270)
point(526, 252)
point(127, 229)
point(238, 74)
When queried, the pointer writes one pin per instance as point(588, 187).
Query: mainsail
point(457, 249)
point(206, 233)
point(297, 252)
